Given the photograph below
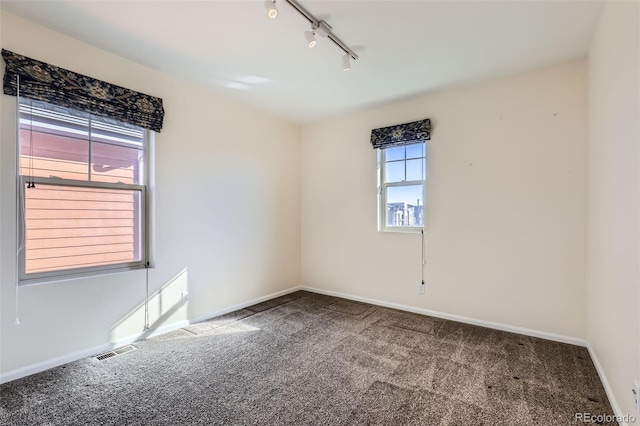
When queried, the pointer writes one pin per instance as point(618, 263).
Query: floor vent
point(115, 352)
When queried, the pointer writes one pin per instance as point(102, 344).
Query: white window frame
point(382, 193)
point(146, 204)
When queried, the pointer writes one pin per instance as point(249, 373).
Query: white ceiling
point(404, 47)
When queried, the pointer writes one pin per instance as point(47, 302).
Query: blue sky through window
point(404, 163)
point(410, 194)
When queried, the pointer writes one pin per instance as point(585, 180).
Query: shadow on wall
point(166, 305)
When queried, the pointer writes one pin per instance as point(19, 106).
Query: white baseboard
point(53, 362)
point(84, 353)
point(242, 305)
point(482, 323)
point(607, 388)
point(149, 333)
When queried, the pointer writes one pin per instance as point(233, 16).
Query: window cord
point(146, 299)
point(20, 242)
point(423, 259)
point(31, 184)
point(19, 206)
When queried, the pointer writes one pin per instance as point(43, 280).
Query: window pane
point(414, 169)
point(47, 118)
point(113, 163)
point(71, 227)
point(63, 143)
point(46, 155)
point(395, 153)
point(415, 150)
point(116, 134)
point(394, 172)
point(405, 206)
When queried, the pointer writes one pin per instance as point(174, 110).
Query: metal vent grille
point(115, 352)
point(105, 355)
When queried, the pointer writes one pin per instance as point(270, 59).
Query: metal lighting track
point(322, 27)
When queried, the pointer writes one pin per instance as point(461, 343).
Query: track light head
point(310, 36)
point(346, 62)
point(272, 10)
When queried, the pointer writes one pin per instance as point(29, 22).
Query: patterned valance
point(401, 134)
point(58, 86)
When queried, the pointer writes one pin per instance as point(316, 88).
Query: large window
point(401, 180)
point(82, 194)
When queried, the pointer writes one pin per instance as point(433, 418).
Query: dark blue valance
point(58, 86)
point(401, 134)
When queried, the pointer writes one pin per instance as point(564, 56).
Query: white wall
point(613, 279)
point(505, 207)
point(227, 212)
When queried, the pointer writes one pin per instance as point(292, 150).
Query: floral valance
point(58, 86)
point(401, 134)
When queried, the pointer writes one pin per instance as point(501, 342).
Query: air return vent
point(115, 352)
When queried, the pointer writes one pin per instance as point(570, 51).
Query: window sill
point(404, 230)
point(26, 282)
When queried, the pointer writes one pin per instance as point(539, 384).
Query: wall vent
point(115, 352)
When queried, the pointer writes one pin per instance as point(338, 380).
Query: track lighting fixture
point(346, 62)
point(310, 36)
point(321, 28)
point(272, 10)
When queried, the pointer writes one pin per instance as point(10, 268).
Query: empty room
point(292, 212)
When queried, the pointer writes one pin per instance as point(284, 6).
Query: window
point(82, 195)
point(401, 185)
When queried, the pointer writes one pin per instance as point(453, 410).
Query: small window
point(83, 193)
point(401, 187)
